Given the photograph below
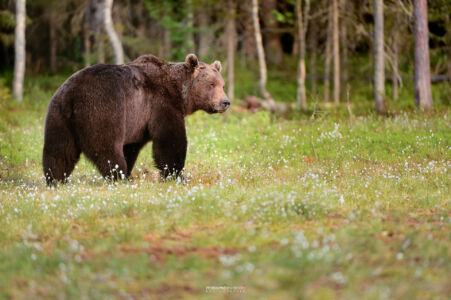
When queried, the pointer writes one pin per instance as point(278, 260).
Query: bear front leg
point(109, 161)
point(169, 152)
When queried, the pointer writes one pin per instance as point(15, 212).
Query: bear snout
point(225, 103)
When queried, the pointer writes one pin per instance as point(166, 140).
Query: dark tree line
point(323, 37)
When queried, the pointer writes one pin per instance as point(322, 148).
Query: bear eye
point(212, 85)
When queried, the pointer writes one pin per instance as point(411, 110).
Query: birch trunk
point(379, 76)
point(112, 35)
point(19, 50)
point(301, 95)
point(423, 96)
point(260, 54)
point(295, 49)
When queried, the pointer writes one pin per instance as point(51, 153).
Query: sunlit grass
point(321, 208)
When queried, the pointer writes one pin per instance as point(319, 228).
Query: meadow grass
point(303, 207)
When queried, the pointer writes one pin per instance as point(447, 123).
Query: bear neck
point(186, 78)
point(179, 90)
point(187, 108)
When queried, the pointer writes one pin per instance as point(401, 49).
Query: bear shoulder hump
point(148, 59)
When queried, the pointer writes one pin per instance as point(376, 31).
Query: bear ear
point(191, 61)
point(217, 65)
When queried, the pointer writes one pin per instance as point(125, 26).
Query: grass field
point(322, 207)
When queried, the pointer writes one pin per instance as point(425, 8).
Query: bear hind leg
point(60, 155)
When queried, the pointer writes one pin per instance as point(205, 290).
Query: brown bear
point(109, 112)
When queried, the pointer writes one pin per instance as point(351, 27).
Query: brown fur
point(109, 112)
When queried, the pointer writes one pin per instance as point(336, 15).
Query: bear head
point(205, 90)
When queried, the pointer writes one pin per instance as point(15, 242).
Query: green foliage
point(173, 17)
point(139, 45)
point(286, 17)
point(7, 23)
point(5, 92)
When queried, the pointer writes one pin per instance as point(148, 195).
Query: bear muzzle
point(225, 103)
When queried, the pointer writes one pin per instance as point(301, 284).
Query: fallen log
point(254, 104)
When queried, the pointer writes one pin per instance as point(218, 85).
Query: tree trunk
point(260, 53)
point(112, 35)
point(395, 64)
point(313, 45)
point(87, 36)
point(273, 47)
point(249, 35)
point(423, 96)
point(231, 45)
point(336, 51)
point(300, 95)
point(328, 58)
point(167, 43)
point(203, 43)
point(52, 34)
point(379, 74)
point(295, 49)
point(205, 34)
point(96, 20)
point(19, 48)
point(449, 72)
point(190, 24)
point(448, 25)
point(344, 44)
point(395, 78)
point(100, 48)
